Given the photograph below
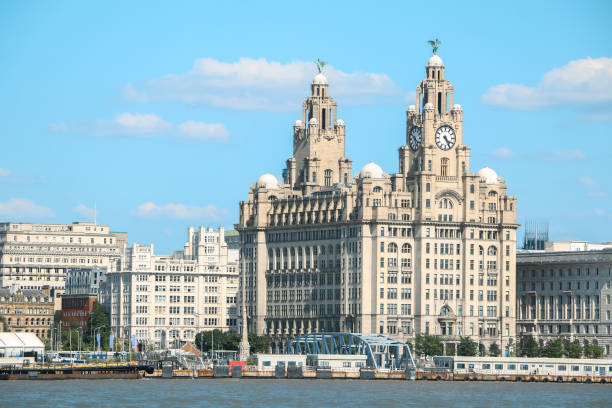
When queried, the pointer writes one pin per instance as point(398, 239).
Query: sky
point(161, 114)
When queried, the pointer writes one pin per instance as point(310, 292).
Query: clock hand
point(446, 138)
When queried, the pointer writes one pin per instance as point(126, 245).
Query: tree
point(217, 339)
point(428, 345)
point(528, 347)
point(258, 344)
point(573, 349)
point(97, 318)
point(593, 351)
point(553, 349)
point(467, 347)
point(494, 350)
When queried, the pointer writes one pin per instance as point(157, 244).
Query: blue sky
point(163, 115)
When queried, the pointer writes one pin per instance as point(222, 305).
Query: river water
point(298, 393)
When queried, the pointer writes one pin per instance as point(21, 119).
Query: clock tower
point(434, 128)
point(318, 142)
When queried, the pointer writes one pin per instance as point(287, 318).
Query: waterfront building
point(77, 307)
point(165, 300)
point(27, 310)
point(565, 292)
point(33, 255)
point(84, 281)
point(426, 249)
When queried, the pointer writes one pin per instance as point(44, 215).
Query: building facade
point(566, 293)
point(27, 310)
point(166, 300)
point(34, 255)
point(427, 249)
point(77, 307)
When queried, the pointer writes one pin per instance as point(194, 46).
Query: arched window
point(444, 166)
point(445, 311)
point(328, 177)
point(391, 216)
point(492, 250)
point(406, 249)
point(377, 189)
point(392, 247)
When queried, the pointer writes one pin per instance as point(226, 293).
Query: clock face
point(445, 137)
point(416, 138)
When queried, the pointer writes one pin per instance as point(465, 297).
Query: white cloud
point(181, 211)
point(84, 211)
point(23, 208)
point(569, 155)
point(147, 125)
point(587, 181)
point(503, 153)
point(5, 173)
point(581, 82)
point(258, 84)
point(203, 131)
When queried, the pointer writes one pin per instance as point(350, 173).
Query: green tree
point(258, 344)
point(467, 347)
point(573, 349)
point(97, 318)
point(553, 349)
point(217, 339)
point(528, 347)
point(494, 350)
point(428, 345)
point(593, 351)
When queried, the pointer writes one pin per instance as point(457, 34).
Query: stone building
point(34, 255)
point(566, 294)
point(429, 248)
point(165, 300)
point(27, 310)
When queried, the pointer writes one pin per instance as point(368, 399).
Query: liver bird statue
point(320, 64)
point(435, 44)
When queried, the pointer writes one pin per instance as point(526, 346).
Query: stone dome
point(267, 181)
point(372, 170)
point(319, 79)
point(313, 121)
point(428, 106)
point(435, 61)
point(457, 107)
point(411, 108)
point(339, 122)
point(298, 123)
point(489, 175)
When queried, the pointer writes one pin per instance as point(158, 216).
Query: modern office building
point(565, 292)
point(166, 300)
point(427, 248)
point(35, 255)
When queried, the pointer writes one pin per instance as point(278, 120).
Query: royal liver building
point(427, 249)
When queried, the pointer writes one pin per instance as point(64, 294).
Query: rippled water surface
point(298, 393)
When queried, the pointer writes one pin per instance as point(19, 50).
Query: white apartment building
point(165, 300)
point(33, 255)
